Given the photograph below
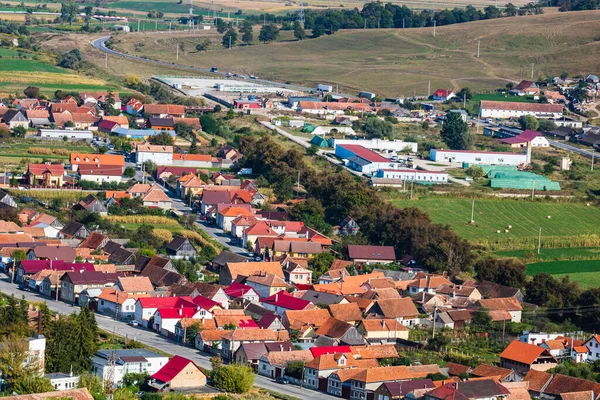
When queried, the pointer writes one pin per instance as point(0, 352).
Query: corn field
point(547, 242)
point(142, 219)
point(163, 234)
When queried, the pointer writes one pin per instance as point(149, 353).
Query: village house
point(239, 291)
point(134, 285)
point(178, 374)
point(164, 110)
point(181, 247)
point(486, 389)
point(281, 302)
point(91, 203)
point(232, 340)
point(250, 353)
point(427, 283)
point(114, 364)
point(273, 364)
point(382, 330)
point(160, 155)
point(403, 310)
point(145, 308)
point(233, 270)
point(119, 305)
point(524, 88)
point(73, 283)
point(297, 272)
point(47, 175)
point(401, 389)
point(527, 138)
point(502, 309)
point(74, 230)
point(361, 254)
point(265, 284)
point(522, 357)
point(56, 253)
point(347, 312)
point(335, 333)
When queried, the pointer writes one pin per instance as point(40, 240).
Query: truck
point(214, 69)
point(324, 88)
point(367, 95)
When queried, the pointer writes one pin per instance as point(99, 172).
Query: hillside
point(401, 61)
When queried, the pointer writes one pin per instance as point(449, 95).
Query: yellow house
point(296, 249)
point(179, 373)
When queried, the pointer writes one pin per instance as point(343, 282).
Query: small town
point(218, 201)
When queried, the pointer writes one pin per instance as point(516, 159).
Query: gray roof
point(103, 356)
point(228, 256)
point(254, 351)
point(396, 275)
point(321, 298)
point(359, 161)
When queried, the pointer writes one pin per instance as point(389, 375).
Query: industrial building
point(362, 159)
point(416, 175)
point(510, 109)
point(478, 157)
point(60, 134)
point(376, 144)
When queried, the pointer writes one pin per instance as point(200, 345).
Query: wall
point(478, 158)
point(190, 376)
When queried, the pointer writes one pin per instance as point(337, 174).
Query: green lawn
point(12, 53)
point(569, 222)
point(575, 253)
point(28, 66)
point(500, 97)
point(164, 6)
point(586, 273)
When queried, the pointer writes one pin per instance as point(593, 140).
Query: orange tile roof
point(119, 119)
point(150, 148)
point(117, 194)
point(260, 229)
point(155, 194)
point(257, 334)
point(523, 352)
point(115, 296)
point(376, 351)
point(382, 374)
point(250, 268)
point(346, 312)
point(501, 304)
point(164, 109)
point(382, 325)
point(15, 237)
point(97, 159)
point(135, 284)
point(235, 212)
point(315, 317)
point(490, 371)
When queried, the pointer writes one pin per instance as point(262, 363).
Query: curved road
point(100, 44)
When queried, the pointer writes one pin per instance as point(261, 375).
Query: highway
point(154, 340)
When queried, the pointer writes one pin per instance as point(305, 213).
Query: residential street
point(154, 340)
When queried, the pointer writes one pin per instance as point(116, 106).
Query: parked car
point(282, 380)
point(133, 323)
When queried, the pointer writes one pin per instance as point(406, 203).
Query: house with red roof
point(48, 175)
point(283, 301)
point(240, 291)
point(165, 319)
point(524, 88)
point(522, 357)
point(145, 308)
point(108, 127)
point(178, 374)
point(261, 228)
point(536, 139)
point(443, 95)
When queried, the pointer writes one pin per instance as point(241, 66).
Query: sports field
point(569, 225)
point(396, 62)
point(587, 273)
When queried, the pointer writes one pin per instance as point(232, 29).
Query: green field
point(11, 64)
point(12, 53)
point(575, 253)
point(568, 221)
point(165, 7)
point(586, 273)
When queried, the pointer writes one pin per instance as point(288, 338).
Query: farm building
point(362, 159)
point(247, 104)
point(508, 109)
point(60, 134)
point(508, 177)
point(323, 108)
point(376, 144)
point(443, 95)
point(415, 175)
point(525, 88)
point(478, 157)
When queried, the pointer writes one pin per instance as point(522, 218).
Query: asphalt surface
point(154, 340)
point(100, 44)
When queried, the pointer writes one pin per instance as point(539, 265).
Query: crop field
point(586, 273)
point(569, 225)
point(406, 59)
point(17, 73)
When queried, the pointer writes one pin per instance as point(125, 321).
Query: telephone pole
point(138, 24)
point(177, 51)
point(434, 24)
point(539, 240)
point(429, 88)
point(532, 64)
point(478, 44)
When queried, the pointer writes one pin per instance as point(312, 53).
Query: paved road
point(154, 340)
point(100, 44)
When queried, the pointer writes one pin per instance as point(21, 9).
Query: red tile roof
point(318, 351)
point(171, 369)
point(517, 106)
point(285, 300)
point(365, 153)
point(442, 93)
point(523, 352)
point(54, 169)
point(156, 302)
point(363, 252)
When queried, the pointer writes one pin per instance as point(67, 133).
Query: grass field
point(575, 253)
point(568, 221)
point(587, 273)
point(404, 60)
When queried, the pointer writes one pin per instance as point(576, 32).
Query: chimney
point(281, 347)
point(383, 323)
point(180, 312)
point(276, 297)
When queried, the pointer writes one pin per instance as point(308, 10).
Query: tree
point(184, 130)
point(268, 33)
point(312, 150)
point(320, 264)
point(193, 147)
point(71, 59)
point(91, 382)
point(15, 363)
point(295, 369)
point(312, 213)
point(475, 172)
point(318, 31)
point(68, 12)
point(33, 384)
point(235, 378)
point(222, 26)
point(203, 46)
point(283, 188)
point(510, 10)
point(480, 321)
point(439, 342)
point(247, 32)
point(209, 124)
point(464, 93)
point(162, 139)
point(503, 271)
point(528, 122)
point(546, 125)
point(299, 32)
point(377, 128)
point(455, 132)
point(19, 131)
point(32, 92)
point(129, 172)
point(230, 38)
point(109, 105)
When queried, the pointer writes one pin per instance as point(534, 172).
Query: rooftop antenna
point(191, 17)
point(301, 13)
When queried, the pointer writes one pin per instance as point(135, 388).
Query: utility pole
point(473, 211)
point(177, 51)
point(106, 61)
point(229, 42)
point(434, 24)
point(156, 25)
point(298, 184)
point(428, 88)
point(170, 26)
point(465, 101)
point(478, 45)
point(138, 24)
point(539, 240)
point(532, 190)
point(532, 64)
point(117, 307)
point(503, 330)
point(411, 189)
point(593, 153)
point(434, 318)
point(184, 331)
point(521, 72)
point(402, 23)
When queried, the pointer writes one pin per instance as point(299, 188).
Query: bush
point(235, 378)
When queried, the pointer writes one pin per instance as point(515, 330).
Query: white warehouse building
point(60, 134)
point(478, 157)
point(509, 109)
point(160, 155)
point(416, 175)
point(377, 144)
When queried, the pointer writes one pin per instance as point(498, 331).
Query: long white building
point(60, 134)
point(377, 144)
point(478, 157)
point(512, 109)
point(416, 175)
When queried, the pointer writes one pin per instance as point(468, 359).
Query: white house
point(478, 157)
point(113, 302)
point(593, 346)
point(146, 307)
point(160, 155)
point(537, 338)
point(61, 381)
point(509, 109)
point(100, 174)
point(165, 319)
point(60, 134)
point(125, 361)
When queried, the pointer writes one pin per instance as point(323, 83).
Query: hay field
point(396, 62)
